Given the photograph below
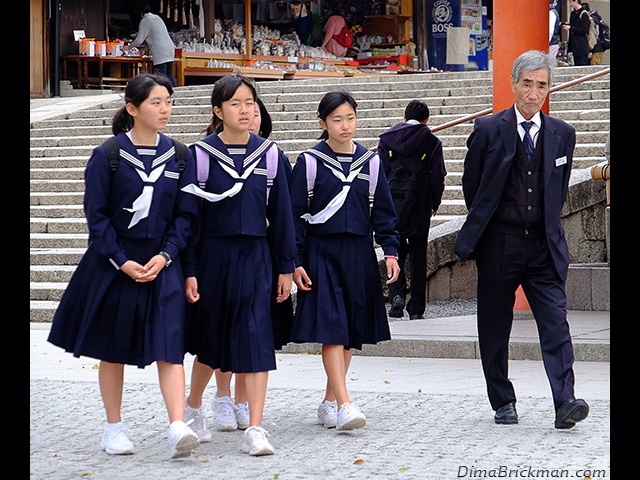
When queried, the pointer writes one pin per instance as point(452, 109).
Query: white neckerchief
point(336, 202)
point(226, 163)
point(142, 205)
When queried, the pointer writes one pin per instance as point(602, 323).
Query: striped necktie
point(528, 141)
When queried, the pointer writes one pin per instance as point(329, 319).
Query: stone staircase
point(61, 146)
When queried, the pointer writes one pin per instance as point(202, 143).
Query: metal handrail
point(487, 111)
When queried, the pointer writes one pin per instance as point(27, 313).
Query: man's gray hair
point(533, 60)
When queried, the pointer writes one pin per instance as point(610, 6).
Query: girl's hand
point(393, 269)
point(301, 279)
point(137, 272)
point(152, 269)
point(191, 289)
point(284, 287)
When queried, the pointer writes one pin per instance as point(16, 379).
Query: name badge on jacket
point(561, 161)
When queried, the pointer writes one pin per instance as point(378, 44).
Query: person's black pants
point(166, 70)
point(580, 60)
point(415, 248)
point(503, 263)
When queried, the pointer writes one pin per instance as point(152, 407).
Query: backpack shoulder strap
point(374, 168)
point(311, 165)
point(113, 153)
point(272, 167)
point(182, 154)
point(112, 147)
point(202, 166)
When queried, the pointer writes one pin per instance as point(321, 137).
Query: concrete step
point(58, 240)
point(56, 256)
point(56, 274)
point(46, 291)
point(58, 225)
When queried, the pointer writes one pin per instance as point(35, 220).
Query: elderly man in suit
point(515, 182)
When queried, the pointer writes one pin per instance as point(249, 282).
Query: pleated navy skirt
point(346, 304)
point(104, 314)
point(229, 327)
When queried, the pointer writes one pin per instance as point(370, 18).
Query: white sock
point(116, 427)
point(176, 424)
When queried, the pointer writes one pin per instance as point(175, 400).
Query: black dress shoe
point(416, 316)
point(571, 412)
point(506, 414)
point(397, 307)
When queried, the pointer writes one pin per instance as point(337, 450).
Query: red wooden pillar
point(518, 26)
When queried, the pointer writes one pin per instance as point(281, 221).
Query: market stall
point(260, 39)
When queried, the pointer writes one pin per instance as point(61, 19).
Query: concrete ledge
point(583, 352)
point(456, 348)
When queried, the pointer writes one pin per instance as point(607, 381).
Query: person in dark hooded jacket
point(412, 145)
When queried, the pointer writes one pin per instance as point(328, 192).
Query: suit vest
point(521, 204)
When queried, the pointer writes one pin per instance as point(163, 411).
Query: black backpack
point(403, 183)
point(603, 30)
point(113, 153)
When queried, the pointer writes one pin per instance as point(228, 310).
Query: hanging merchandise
point(262, 11)
point(160, 9)
point(191, 22)
point(201, 19)
point(176, 14)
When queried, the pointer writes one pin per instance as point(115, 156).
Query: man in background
point(304, 22)
point(596, 54)
point(578, 29)
point(153, 30)
point(410, 151)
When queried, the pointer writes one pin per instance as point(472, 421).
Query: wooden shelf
point(395, 18)
point(388, 45)
point(368, 60)
point(196, 64)
point(397, 25)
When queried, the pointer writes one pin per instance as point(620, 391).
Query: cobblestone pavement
point(427, 418)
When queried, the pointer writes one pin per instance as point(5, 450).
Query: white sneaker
point(115, 441)
point(327, 414)
point(182, 440)
point(255, 442)
point(224, 415)
point(198, 422)
point(350, 417)
point(242, 415)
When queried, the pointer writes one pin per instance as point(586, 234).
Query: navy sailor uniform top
point(110, 195)
point(353, 217)
point(247, 212)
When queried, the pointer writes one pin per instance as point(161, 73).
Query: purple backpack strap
point(202, 166)
point(272, 167)
point(311, 165)
point(374, 167)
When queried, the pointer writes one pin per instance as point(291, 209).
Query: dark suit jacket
point(491, 152)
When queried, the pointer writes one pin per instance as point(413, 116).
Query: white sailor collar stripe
point(223, 158)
